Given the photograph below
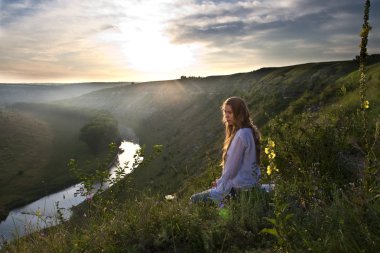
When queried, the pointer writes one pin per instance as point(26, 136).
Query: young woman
point(241, 153)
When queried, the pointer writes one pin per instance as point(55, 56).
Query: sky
point(145, 40)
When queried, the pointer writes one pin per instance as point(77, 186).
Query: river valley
point(44, 212)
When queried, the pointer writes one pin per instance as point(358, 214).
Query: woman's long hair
point(241, 119)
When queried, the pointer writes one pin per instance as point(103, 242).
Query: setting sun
point(144, 44)
point(149, 51)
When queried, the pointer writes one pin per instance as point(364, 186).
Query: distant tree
point(99, 132)
point(191, 77)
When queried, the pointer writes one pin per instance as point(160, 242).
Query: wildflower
point(366, 104)
point(267, 151)
point(269, 170)
point(169, 197)
point(271, 144)
point(89, 197)
point(272, 155)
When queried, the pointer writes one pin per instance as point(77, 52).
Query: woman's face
point(228, 115)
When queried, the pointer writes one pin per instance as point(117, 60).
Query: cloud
point(84, 39)
point(294, 30)
point(79, 37)
point(55, 38)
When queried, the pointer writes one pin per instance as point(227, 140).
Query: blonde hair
point(241, 119)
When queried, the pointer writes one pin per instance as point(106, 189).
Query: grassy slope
point(37, 142)
point(30, 139)
point(184, 115)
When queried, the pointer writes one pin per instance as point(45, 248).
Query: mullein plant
point(282, 217)
point(270, 152)
point(371, 166)
point(366, 28)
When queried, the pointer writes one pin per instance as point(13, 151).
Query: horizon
point(143, 41)
point(163, 80)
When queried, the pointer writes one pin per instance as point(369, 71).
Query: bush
point(100, 131)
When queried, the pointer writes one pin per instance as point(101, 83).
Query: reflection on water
point(43, 212)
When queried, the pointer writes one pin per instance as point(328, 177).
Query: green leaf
point(273, 221)
point(271, 231)
point(289, 216)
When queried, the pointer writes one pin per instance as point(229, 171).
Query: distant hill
point(42, 93)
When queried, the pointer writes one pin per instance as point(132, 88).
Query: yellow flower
point(275, 168)
point(272, 155)
point(269, 170)
point(271, 144)
point(366, 104)
point(267, 151)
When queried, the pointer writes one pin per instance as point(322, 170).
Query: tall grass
point(152, 224)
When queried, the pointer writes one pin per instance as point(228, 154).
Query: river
point(43, 213)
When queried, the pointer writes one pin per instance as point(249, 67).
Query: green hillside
point(184, 115)
point(309, 110)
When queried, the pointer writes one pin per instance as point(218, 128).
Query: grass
point(152, 224)
point(342, 221)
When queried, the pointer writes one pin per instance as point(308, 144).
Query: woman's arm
point(234, 157)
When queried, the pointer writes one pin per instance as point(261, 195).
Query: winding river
point(43, 213)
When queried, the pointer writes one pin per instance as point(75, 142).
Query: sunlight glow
point(154, 52)
point(142, 42)
point(145, 45)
